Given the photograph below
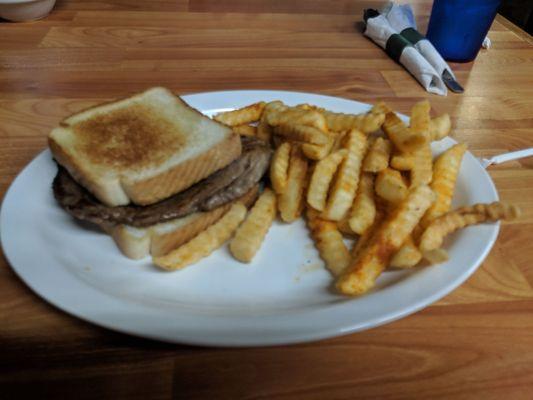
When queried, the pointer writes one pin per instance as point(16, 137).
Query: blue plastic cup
point(457, 27)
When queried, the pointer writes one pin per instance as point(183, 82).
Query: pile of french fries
point(367, 177)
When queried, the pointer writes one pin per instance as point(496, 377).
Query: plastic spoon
point(500, 158)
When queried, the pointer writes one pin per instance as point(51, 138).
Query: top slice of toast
point(142, 149)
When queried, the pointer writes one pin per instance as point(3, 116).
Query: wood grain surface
point(476, 343)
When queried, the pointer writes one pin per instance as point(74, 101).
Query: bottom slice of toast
point(160, 239)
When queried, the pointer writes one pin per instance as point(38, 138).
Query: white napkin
point(379, 30)
point(401, 17)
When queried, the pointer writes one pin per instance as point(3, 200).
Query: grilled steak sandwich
point(151, 171)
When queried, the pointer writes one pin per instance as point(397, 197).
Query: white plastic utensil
point(501, 158)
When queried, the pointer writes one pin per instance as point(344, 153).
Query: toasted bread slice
point(142, 149)
point(159, 239)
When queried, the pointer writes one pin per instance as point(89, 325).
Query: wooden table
point(475, 343)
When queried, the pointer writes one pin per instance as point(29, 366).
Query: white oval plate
point(283, 297)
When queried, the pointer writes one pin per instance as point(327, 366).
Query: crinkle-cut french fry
point(377, 157)
point(344, 227)
point(445, 172)
point(290, 202)
point(279, 167)
point(329, 242)
point(436, 256)
point(314, 151)
point(403, 161)
point(440, 127)
point(274, 107)
point(364, 269)
point(419, 122)
point(301, 133)
point(434, 234)
point(305, 106)
point(296, 116)
point(363, 211)
point(369, 122)
point(364, 240)
point(264, 130)
point(321, 179)
point(402, 137)
point(494, 211)
point(366, 123)
point(241, 116)
point(318, 152)
point(407, 256)
point(252, 232)
point(417, 232)
point(204, 243)
point(391, 186)
point(422, 171)
point(338, 140)
point(245, 130)
point(380, 108)
point(344, 186)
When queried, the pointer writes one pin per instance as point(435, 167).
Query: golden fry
point(344, 187)
point(205, 243)
point(338, 140)
point(363, 211)
point(241, 116)
point(377, 157)
point(252, 232)
point(364, 240)
point(362, 273)
point(407, 256)
point(245, 130)
point(321, 179)
point(422, 171)
point(381, 108)
point(391, 186)
point(402, 137)
point(366, 123)
point(436, 256)
point(403, 161)
point(296, 116)
point(290, 202)
point(305, 107)
point(493, 211)
point(264, 130)
point(318, 152)
point(344, 227)
point(440, 127)
point(445, 173)
point(301, 133)
point(328, 240)
point(434, 234)
point(279, 167)
point(419, 122)
point(274, 107)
